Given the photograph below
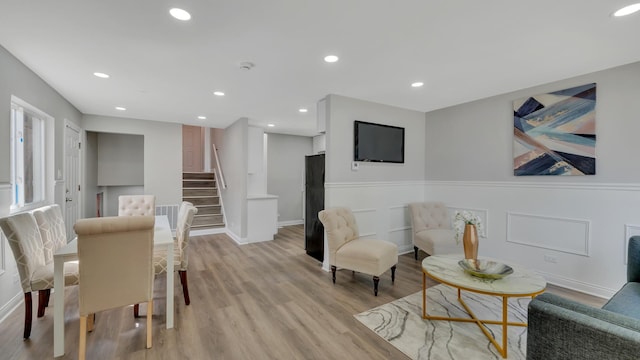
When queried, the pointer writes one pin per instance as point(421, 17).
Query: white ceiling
point(166, 70)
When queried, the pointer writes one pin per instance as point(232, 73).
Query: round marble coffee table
point(445, 269)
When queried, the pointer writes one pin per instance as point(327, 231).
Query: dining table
point(162, 239)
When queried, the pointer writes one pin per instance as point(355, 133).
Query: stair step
point(206, 220)
point(207, 191)
point(200, 190)
point(211, 226)
point(202, 200)
point(209, 210)
point(198, 183)
point(198, 175)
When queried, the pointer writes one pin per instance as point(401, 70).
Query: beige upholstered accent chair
point(52, 229)
point(36, 274)
point(431, 229)
point(116, 267)
point(136, 205)
point(54, 236)
point(186, 213)
point(347, 250)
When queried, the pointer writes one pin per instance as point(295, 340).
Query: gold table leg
point(482, 324)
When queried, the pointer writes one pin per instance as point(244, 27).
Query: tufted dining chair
point(136, 205)
point(186, 213)
point(431, 229)
point(35, 273)
point(116, 267)
point(54, 236)
point(347, 250)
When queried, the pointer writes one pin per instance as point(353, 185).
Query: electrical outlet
point(550, 259)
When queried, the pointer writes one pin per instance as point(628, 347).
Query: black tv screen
point(378, 143)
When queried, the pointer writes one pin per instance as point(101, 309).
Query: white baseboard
point(198, 232)
point(290, 222)
point(236, 238)
point(11, 305)
point(590, 289)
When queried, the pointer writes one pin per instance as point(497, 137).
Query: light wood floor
point(260, 301)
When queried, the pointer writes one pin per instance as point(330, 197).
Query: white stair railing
point(219, 173)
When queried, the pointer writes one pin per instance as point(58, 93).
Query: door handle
point(67, 200)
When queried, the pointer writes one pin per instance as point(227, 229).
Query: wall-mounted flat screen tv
point(378, 143)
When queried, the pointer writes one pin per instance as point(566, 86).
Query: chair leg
point(91, 322)
point(42, 301)
point(333, 273)
point(185, 286)
point(136, 310)
point(83, 338)
point(28, 314)
point(415, 252)
point(149, 323)
point(393, 274)
point(376, 280)
point(46, 303)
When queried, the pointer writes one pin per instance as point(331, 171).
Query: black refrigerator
point(314, 202)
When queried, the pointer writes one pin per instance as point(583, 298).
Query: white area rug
point(400, 323)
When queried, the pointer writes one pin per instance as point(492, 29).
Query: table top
point(161, 236)
point(445, 268)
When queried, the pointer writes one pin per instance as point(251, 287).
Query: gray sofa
point(564, 329)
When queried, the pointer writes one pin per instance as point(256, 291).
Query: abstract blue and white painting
point(554, 133)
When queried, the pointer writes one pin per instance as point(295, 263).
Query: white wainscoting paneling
point(602, 210)
point(380, 208)
point(366, 221)
point(547, 232)
point(5, 202)
point(11, 294)
point(400, 227)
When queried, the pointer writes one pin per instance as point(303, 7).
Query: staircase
point(200, 189)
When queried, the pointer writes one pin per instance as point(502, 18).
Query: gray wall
point(16, 79)
point(473, 141)
point(343, 111)
point(581, 223)
point(120, 159)
point(90, 173)
point(285, 173)
point(234, 160)
point(162, 153)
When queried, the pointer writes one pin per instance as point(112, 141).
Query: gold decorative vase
point(470, 242)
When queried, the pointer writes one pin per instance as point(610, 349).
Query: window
point(27, 155)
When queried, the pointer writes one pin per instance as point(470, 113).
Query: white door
point(72, 173)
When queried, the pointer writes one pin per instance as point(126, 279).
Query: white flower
point(462, 218)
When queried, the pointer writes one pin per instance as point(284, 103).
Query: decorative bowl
point(485, 268)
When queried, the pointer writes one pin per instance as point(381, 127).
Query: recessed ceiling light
point(303, 110)
point(120, 108)
point(417, 84)
point(218, 93)
point(330, 58)
point(270, 125)
point(180, 14)
point(202, 117)
point(101, 75)
point(627, 10)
